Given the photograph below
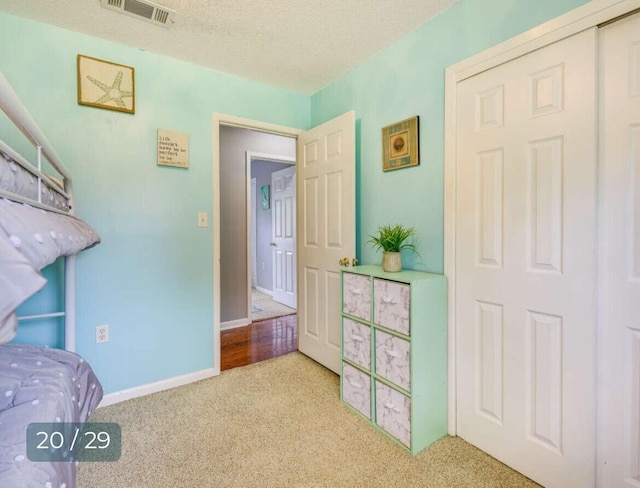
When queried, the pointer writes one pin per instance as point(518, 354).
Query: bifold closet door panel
point(525, 267)
point(619, 276)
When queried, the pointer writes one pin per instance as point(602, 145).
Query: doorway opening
point(239, 144)
point(326, 182)
point(271, 256)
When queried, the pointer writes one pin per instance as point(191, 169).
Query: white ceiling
point(300, 45)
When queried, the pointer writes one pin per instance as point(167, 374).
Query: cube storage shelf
point(394, 352)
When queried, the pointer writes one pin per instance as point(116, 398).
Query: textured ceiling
point(301, 45)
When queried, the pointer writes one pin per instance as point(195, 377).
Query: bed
point(37, 226)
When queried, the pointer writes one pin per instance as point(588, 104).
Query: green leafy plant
point(393, 238)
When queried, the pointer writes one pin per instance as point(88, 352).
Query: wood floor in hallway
point(258, 341)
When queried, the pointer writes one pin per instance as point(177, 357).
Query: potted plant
point(392, 239)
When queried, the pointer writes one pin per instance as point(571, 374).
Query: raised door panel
point(489, 353)
point(489, 207)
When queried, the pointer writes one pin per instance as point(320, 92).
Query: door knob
point(354, 261)
point(344, 262)
point(273, 244)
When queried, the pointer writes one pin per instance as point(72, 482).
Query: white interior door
point(619, 433)
point(525, 262)
point(283, 235)
point(326, 233)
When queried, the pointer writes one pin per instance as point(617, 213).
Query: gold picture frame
point(400, 145)
point(107, 85)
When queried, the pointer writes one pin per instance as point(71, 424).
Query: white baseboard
point(264, 290)
point(148, 389)
point(232, 324)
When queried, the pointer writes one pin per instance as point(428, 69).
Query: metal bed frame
point(20, 116)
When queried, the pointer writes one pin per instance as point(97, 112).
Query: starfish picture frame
point(107, 85)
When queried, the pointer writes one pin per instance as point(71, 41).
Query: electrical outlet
point(102, 334)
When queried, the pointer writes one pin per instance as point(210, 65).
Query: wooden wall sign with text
point(173, 148)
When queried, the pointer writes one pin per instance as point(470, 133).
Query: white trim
point(264, 290)
point(605, 389)
point(148, 389)
point(274, 158)
point(253, 225)
point(234, 324)
point(234, 121)
point(582, 18)
point(229, 120)
point(247, 186)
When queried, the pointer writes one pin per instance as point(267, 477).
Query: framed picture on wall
point(265, 197)
point(400, 145)
point(106, 85)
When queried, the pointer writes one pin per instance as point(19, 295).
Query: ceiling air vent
point(142, 10)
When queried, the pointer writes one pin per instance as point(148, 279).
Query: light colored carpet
point(278, 423)
point(265, 307)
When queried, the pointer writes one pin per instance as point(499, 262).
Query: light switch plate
point(203, 219)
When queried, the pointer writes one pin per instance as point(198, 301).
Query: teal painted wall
point(151, 277)
point(407, 79)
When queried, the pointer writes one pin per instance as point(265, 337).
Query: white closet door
point(619, 406)
point(525, 262)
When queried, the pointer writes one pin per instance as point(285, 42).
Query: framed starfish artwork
point(104, 84)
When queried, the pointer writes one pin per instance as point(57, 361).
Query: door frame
point(249, 157)
point(244, 123)
point(590, 15)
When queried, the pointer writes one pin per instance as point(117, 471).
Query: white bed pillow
point(18, 281)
